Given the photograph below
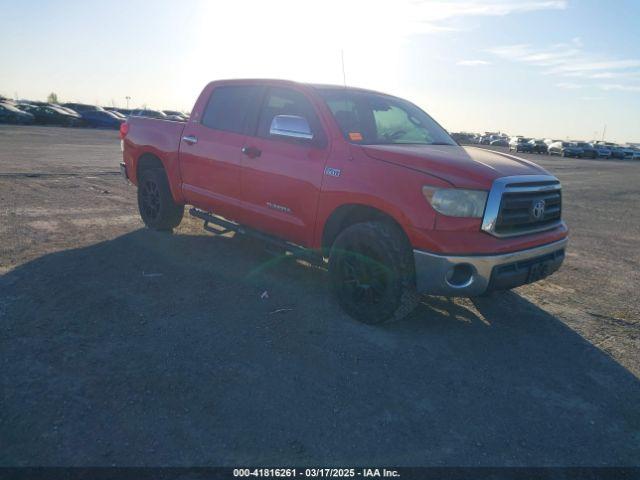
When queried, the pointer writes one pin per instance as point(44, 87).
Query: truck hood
point(465, 167)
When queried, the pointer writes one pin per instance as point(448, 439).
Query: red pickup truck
point(365, 183)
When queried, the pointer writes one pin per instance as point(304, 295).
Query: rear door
point(210, 150)
point(281, 177)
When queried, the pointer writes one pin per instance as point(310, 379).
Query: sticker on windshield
point(355, 136)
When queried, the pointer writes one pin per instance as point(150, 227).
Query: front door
point(281, 177)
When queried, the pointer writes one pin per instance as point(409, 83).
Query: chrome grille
point(516, 211)
point(523, 204)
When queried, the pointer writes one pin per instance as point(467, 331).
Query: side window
point(228, 107)
point(346, 114)
point(285, 101)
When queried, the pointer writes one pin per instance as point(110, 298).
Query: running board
point(228, 226)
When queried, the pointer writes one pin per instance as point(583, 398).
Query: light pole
point(128, 98)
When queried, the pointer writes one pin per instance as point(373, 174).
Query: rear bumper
point(464, 276)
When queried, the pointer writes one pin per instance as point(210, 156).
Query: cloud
point(411, 17)
point(569, 86)
point(443, 10)
point(589, 66)
point(570, 60)
point(619, 87)
point(473, 63)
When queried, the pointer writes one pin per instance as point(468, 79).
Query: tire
point(372, 274)
point(155, 203)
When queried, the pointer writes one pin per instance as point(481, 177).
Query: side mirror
point(291, 126)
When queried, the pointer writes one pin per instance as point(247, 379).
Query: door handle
point(190, 139)
point(251, 152)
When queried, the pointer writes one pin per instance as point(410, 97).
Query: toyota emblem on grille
point(537, 209)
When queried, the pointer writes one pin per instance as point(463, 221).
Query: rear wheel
point(155, 203)
point(371, 272)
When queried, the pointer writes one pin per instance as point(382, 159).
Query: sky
point(541, 68)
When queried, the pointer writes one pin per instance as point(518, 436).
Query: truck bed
point(154, 136)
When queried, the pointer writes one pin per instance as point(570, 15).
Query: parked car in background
point(500, 142)
point(520, 144)
point(118, 111)
point(618, 152)
point(149, 114)
point(118, 114)
point(565, 149)
point(175, 113)
point(588, 150)
point(101, 119)
point(538, 146)
point(24, 101)
point(628, 152)
point(636, 153)
point(11, 114)
point(60, 107)
point(604, 151)
point(45, 115)
point(82, 107)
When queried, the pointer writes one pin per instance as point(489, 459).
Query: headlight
point(455, 202)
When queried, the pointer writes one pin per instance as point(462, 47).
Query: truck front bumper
point(467, 276)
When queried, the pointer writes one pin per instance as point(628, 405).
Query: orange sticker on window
point(355, 136)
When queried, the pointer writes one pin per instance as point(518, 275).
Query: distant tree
point(52, 98)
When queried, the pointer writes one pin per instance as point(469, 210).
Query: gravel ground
point(121, 346)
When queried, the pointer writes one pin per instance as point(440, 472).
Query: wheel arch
point(349, 214)
point(148, 160)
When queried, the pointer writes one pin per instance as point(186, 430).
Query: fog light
point(461, 275)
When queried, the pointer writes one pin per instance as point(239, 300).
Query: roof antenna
point(344, 75)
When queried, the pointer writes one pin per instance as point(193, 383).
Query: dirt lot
point(120, 346)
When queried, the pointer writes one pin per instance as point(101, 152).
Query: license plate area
point(525, 271)
point(538, 271)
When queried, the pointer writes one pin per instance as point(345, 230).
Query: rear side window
point(228, 107)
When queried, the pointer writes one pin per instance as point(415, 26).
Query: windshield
point(376, 119)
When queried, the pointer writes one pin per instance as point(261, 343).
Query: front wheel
point(155, 203)
point(372, 273)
